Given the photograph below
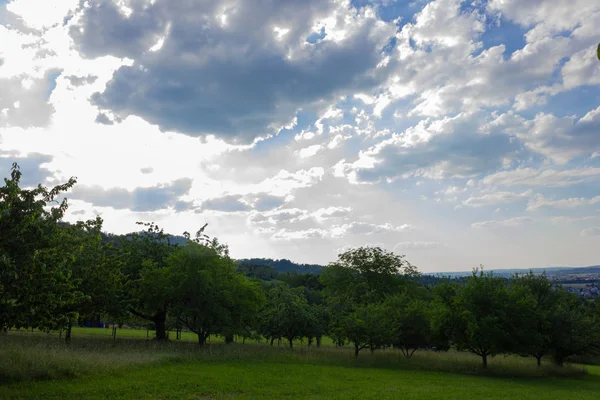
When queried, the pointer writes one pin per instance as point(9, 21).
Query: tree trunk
point(356, 349)
point(484, 359)
point(310, 340)
point(318, 341)
point(272, 341)
point(291, 342)
point(68, 332)
point(228, 338)
point(539, 360)
point(160, 320)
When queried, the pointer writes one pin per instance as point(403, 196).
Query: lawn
point(41, 366)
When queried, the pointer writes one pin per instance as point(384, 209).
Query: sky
point(457, 133)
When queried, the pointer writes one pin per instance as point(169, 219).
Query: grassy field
point(36, 366)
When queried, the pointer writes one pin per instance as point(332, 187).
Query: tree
point(148, 284)
point(96, 274)
point(286, 314)
point(481, 325)
point(34, 274)
point(210, 296)
point(575, 329)
point(367, 327)
point(538, 300)
point(409, 320)
point(366, 274)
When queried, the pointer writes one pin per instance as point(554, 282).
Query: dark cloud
point(103, 119)
point(237, 80)
point(30, 166)
point(140, 199)
point(26, 107)
point(266, 202)
point(81, 80)
point(459, 150)
point(229, 203)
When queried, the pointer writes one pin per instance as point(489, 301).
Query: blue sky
point(456, 132)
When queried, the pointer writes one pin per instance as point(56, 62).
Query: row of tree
point(54, 275)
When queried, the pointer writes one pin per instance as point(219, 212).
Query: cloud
point(594, 231)
point(230, 203)
point(416, 245)
point(32, 166)
point(560, 139)
point(494, 198)
point(562, 220)
point(543, 177)
point(446, 148)
point(539, 201)
point(24, 100)
point(506, 223)
point(237, 72)
point(140, 199)
point(81, 80)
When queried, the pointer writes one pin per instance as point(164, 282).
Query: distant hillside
point(283, 265)
point(550, 271)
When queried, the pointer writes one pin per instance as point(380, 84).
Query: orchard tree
point(366, 327)
point(149, 287)
point(210, 296)
point(409, 319)
point(482, 324)
point(34, 273)
point(533, 335)
point(286, 314)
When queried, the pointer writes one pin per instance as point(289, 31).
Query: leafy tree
point(533, 334)
point(148, 284)
point(367, 327)
point(286, 314)
point(34, 273)
point(211, 297)
point(409, 320)
point(366, 274)
point(575, 330)
point(481, 325)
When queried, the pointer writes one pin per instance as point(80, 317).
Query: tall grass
point(41, 357)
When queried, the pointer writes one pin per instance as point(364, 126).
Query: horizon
point(456, 133)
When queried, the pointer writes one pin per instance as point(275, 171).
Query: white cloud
point(506, 223)
point(539, 201)
point(543, 177)
point(495, 198)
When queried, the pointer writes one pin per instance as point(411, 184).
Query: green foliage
point(410, 325)
point(286, 314)
point(210, 296)
point(35, 275)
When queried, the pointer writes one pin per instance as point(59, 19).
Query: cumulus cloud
point(239, 71)
point(140, 199)
point(447, 148)
point(230, 203)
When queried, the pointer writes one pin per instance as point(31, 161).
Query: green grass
point(42, 366)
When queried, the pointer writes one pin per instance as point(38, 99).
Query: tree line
point(55, 275)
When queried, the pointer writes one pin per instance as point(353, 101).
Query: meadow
point(37, 365)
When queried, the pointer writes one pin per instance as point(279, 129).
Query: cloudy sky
point(456, 132)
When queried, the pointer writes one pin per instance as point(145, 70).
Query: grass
point(41, 366)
